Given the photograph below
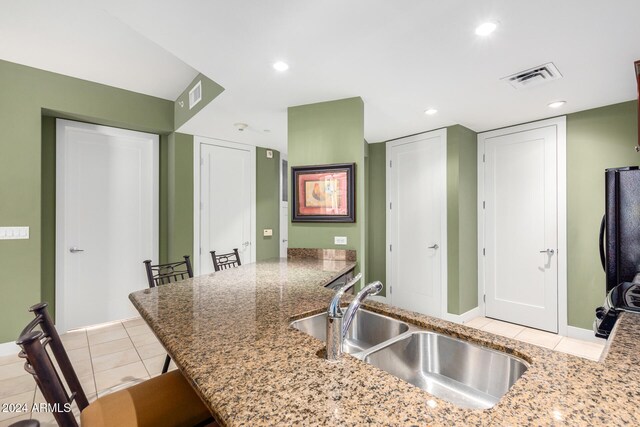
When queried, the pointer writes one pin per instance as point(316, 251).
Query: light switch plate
point(339, 240)
point(269, 154)
point(267, 232)
point(14, 233)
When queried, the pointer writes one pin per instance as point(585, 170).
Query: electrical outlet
point(340, 240)
point(14, 233)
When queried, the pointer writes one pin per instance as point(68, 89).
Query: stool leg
point(165, 368)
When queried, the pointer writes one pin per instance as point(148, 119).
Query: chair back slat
point(38, 363)
point(163, 274)
point(225, 261)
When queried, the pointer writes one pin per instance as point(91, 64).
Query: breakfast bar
point(230, 335)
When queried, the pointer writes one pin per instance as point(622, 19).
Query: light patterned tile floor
point(586, 349)
point(115, 356)
point(106, 358)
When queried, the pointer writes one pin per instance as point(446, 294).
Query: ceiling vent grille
point(195, 94)
point(534, 76)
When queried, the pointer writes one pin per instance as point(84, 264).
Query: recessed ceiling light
point(486, 28)
point(557, 104)
point(430, 111)
point(281, 66)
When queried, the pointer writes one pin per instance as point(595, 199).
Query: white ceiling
point(400, 56)
point(80, 40)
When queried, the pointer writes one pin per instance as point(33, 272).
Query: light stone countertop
point(229, 334)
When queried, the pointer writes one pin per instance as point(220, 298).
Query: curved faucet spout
point(334, 306)
point(371, 289)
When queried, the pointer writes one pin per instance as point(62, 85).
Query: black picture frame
point(348, 170)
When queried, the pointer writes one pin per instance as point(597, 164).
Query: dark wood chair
point(163, 274)
point(225, 261)
point(165, 400)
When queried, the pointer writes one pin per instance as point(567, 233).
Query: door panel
point(520, 225)
point(225, 187)
point(107, 211)
point(417, 181)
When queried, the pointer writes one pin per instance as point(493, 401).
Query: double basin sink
point(465, 374)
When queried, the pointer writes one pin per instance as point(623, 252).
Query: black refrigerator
point(620, 246)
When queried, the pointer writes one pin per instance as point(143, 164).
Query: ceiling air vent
point(533, 76)
point(195, 94)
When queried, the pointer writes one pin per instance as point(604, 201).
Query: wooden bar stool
point(225, 261)
point(166, 400)
point(163, 274)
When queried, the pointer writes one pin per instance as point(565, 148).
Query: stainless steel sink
point(367, 330)
point(465, 374)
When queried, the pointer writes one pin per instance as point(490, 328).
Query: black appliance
point(620, 255)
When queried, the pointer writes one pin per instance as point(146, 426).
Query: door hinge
point(484, 205)
point(200, 251)
point(484, 298)
point(390, 205)
point(390, 290)
point(201, 161)
point(390, 248)
point(483, 158)
point(390, 163)
point(484, 251)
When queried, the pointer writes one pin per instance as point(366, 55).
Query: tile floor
point(106, 358)
point(586, 349)
point(115, 356)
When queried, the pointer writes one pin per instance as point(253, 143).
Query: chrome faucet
point(338, 323)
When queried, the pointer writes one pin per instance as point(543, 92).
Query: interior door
point(520, 223)
point(417, 222)
point(106, 220)
point(226, 183)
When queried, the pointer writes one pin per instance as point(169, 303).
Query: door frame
point(198, 142)
point(61, 202)
point(561, 164)
point(442, 133)
point(283, 206)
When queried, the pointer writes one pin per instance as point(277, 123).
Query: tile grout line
point(135, 347)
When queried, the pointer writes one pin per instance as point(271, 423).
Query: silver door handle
point(435, 246)
point(548, 252)
point(73, 250)
point(245, 244)
point(284, 240)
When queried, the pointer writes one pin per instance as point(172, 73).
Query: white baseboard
point(583, 334)
point(464, 317)
point(9, 348)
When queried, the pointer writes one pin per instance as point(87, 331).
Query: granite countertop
point(229, 333)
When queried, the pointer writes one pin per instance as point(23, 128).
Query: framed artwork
point(324, 193)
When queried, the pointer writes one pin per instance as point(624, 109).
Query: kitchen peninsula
point(229, 333)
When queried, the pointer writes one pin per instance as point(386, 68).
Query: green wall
point(376, 214)
point(210, 91)
point(267, 204)
point(462, 220)
point(179, 197)
point(325, 133)
point(596, 139)
point(29, 94)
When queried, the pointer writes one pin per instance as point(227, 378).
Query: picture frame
point(323, 193)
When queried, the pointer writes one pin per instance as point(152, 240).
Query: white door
point(284, 207)
point(521, 227)
point(106, 220)
point(416, 233)
point(227, 186)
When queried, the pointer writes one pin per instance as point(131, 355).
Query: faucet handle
point(334, 306)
